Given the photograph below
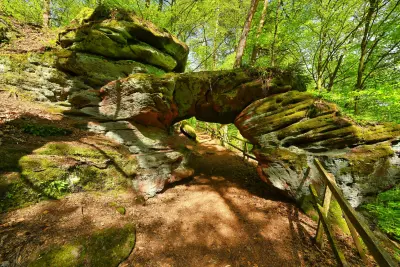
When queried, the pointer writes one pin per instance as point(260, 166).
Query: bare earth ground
point(223, 216)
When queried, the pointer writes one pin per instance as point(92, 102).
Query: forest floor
point(223, 216)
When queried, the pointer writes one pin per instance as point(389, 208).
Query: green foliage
point(44, 130)
point(56, 189)
point(386, 208)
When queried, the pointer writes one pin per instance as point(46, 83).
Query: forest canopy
point(347, 49)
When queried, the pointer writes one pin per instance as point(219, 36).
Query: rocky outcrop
point(123, 72)
point(159, 159)
point(290, 129)
point(209, 96)
point(36, 75)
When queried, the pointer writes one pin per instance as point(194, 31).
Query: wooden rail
point(357, 228)
point(216, 134)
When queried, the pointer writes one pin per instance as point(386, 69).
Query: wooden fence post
point(319, 238)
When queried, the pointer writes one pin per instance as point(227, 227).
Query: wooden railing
point(357, 228)
point(216, 134)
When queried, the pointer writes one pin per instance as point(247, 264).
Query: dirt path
point(224, 216)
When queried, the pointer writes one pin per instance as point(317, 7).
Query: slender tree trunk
point(160, 5)
point(334, 74)
point(320, 68)
point(273, 55)
point(256, 46)
point(46, 13)
point(245, 32)
point(363, 50)
point(215, 41)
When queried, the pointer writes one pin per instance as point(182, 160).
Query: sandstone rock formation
point(210, 96)
point(289, 130)
point(122, 72)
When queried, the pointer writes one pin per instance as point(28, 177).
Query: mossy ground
point(59, 168)
point(106, 247)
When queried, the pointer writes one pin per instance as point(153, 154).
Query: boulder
point(290, 129)
point(160, 162)
point(120, 35)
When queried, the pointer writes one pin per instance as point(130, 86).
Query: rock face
point(36, 74)
point(290, 129)
point(159, 161)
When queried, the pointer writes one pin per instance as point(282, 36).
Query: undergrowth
point(386, 208)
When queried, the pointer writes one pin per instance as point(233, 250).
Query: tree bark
point(273, 55)
point(245, 32)
point(46, 13)
point(160, 4)
point(334, 74)
point(363, 50)
point(256, 46)
point(215, 48)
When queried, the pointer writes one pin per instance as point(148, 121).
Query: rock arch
point(116, 67)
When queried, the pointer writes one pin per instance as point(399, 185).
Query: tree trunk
point(46, 13)
point(256, 46)
point(215, 42)
point(160, 4)
point(363, 50)
point(273, 56)
point(334, 74)
point(245, 32)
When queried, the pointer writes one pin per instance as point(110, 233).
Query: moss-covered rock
point(37, 74)
point(118, 34)
point(59, 168)
point(290, 129)
point(107, 247)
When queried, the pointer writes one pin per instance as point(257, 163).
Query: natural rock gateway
point(124, 74)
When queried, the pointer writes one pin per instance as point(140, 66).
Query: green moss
point(336, 219)
point(188, 130)
point(114, 45)
point(15, 192)
point(308, 207)
point(364, 158)
point(46, 175)
point(83, 16)
point(107, 247)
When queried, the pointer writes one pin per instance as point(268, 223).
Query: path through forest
point(224, 216)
